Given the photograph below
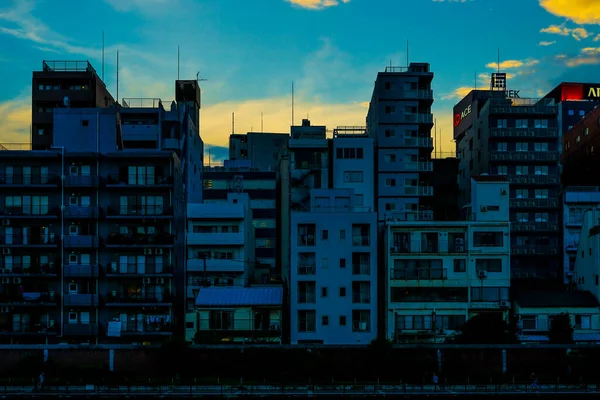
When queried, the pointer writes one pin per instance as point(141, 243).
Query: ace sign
point(458, 117)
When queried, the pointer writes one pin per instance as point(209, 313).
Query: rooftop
point(239, 296)
point(350, 131)
point(556, 299)
point(489, 178)
point(141, 102)
point(67, 66)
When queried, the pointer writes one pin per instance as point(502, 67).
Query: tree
point(561, 329)
point(488, 329)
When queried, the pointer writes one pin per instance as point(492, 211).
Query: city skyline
point(333, 66)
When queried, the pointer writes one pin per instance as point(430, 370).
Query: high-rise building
point(62, 84)
point(500, 133)
point(260, 148)
point(400, 121)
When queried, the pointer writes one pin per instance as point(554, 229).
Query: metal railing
point(67, 66)
point(418, 246)
point(147, 180)
point(533, 179)
point(29, 298)
point(28, 240)
point(424, 274)
point(360, 240)
point(135, 327)
point(137, 269)
point(307, 269)
point(29, 211)
point(123, 297)
point(361, 269)
point(135, 239)
point(141, 102)
point(29, 179)
point(238, 325)
point(347, 209)
point(28, 269)
point(524, 156)
point(139, 210)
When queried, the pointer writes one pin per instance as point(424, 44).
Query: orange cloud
point(578, 11)
point(545, 43)
point(317, 4)
point(512, 64)
point(588, 56)
point(576, 33)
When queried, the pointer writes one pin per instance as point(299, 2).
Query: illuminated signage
point(513, 94)
point(593, 92)
point(462, 115)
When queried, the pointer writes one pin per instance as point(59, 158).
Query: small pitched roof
point(239, 296)
point(490, 178)
point(556, 299)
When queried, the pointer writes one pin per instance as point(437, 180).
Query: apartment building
point(261, 149)
point(500, 133)
point(220, 245)
point(333, 271)
point(587, 264)
point(260, 186)
point(573, 101)
point(61, 84)
point(441, 273)
point(400, 121)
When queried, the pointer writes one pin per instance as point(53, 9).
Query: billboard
point(463, 113)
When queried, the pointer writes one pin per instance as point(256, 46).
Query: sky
point(250, 52)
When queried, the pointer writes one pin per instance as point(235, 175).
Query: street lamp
point(62, 234)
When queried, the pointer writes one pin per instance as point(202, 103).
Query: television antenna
point(198, 77)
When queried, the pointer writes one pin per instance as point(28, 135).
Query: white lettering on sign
point(513, 94)
point(460, 116)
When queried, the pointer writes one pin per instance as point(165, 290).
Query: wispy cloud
point(451, 1)
point(576, 33)
point(141, 5)
point(546, 43)
point(578, 11)
point(316, 4)
point(513, 64)
point(586, 56)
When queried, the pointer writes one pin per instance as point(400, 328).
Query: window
point(342, 320)
point(389, 133)
point(361, 235)
point(388, 85)
point(324, 291)
point(529, 322)
point(306, 234)
point(571, 112)
point(502, 170)
point(484, 239)
point(359, 199)
point(522, 170)
point(342, 291)
point(540, 169)
point(342, 234)
point(85, 122)
point(353, 176)
point(390, 158)
point(306, 264)
point(460, 265)
point(521, 123)
point(142, 175)
point(264, 243)
point(541, 193)
point(583, 321)
point(221, 320)
point(502, 123)
point(361, 320)
point(541, 217)
point(540, 147)
point(390, 206)
point(342, 263)
point(522, 193)
point(502, 146)
point(306, 292)
point(414, 322)
point(324, 234)
point(586, 131)
point(325, 320)
point(540, 123)
point(522, 146)
point(306, 321)
point(390, 182)
point(488, 264)
point(349, 153)
point(581, 113)
point(390, 109)
point(361, 264)
point(489, 294)
point(361, 292)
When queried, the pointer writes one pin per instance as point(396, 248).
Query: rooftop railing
point(67, 66)
point(141, 102)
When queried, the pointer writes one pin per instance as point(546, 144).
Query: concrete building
point(499, 133)
point(576, 201)
point(333, 271)
point(573, 101)
point(260, 148)
point(580, 157)
point(439, 274)
point(220, 245)
point(240, 176)
point(61, 84)
point(587, 264)
point(400, 121)
point(445, 186)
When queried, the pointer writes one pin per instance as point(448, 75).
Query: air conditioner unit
point(114, 267)
point(147, 251)
point(504, 304)
point(73, 230)
point(6, 222)
point(483, 209)
point(503, 192)
point(525, 275)
point(17, 280)
point(274, 326)
point(146, 281)
point(158, 251)
point(73, 170)
point(482, 274)
point(460, 249)
point(5, 280)
point(5, 251)
point(160, 280)
point(4, 310)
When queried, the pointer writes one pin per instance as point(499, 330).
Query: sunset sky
point(251, 50)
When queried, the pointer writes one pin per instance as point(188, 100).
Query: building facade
point(400, 121)
point(439, 274)
point(501, 134)
point(261, 149)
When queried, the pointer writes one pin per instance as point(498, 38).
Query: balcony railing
point(424, 215)
point(119, 239)
point(533, 203)
point(417, 246)
point(361, 269)
point(417, 191)
point(81, 299)
point(81, 180)
point(132, 328)
point(533, 250)
point(27, 329)
point(426, 142)
point(139, 180)
point(82, 212)
point(30, 211)
point(533, 179)
point(524, 156)
point(307, 269)
point(28, 240)
point(28, 269)
point(80, 270)
point(90, 329)
point(524, 132)
point(240, 327)
point(359, 240)
point(81, 241)
point(29, 298)
point(422, 166)
point(139, 211)
point(29, 180)
point(139, 298)
point(534, 226)
point(138, 269)
point(423, 274)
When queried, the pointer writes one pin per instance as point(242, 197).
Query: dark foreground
point(305, 391)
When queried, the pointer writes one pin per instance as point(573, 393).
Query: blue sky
point(251, 51)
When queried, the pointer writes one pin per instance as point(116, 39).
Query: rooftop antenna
point(407, 52)
point(178, 63)
point(475, 80)
point(232, 123)
point(498, 59)
point(102, 55)
point(440, 150)
point(292, 103)
point(435, 137)
point(261, 123)
point(117, 76)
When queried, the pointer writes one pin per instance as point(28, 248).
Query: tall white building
point(220, 245)
point(333, 271)
point(576, 201)
point(439, 274)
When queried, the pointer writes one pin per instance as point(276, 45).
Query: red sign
point(460, 116)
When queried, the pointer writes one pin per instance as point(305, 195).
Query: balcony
point(423, 166)
point(534, 226)
point(524, 132)
point(82, 181)
point(419, 274)
point(80, 270)
point(417, 191)
point(214, 331)
point(144, 328)
point(26, 330)
point(29, 241)
point(81, 299)
point(138, 181)
point(215, 265)
point(172, 144)
point(139, 211)
point(81, 241)
point(305, 269)
point(27, 270)
point(422, 142)
point(361, 241)
point(216, 239)
point(533, 203)
point(117, 270)
point(90, 212)
point(421, 247)
point(33, 299)
point(533, 179)
point(29, 212)
point(125, 299)
point(80, 329)
point(123, 240)
point(572, 247)
point(489, 305)
point(532, 250)
point(524, 156)
point(37, 181)
point(574, 221)
point(421, 118)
